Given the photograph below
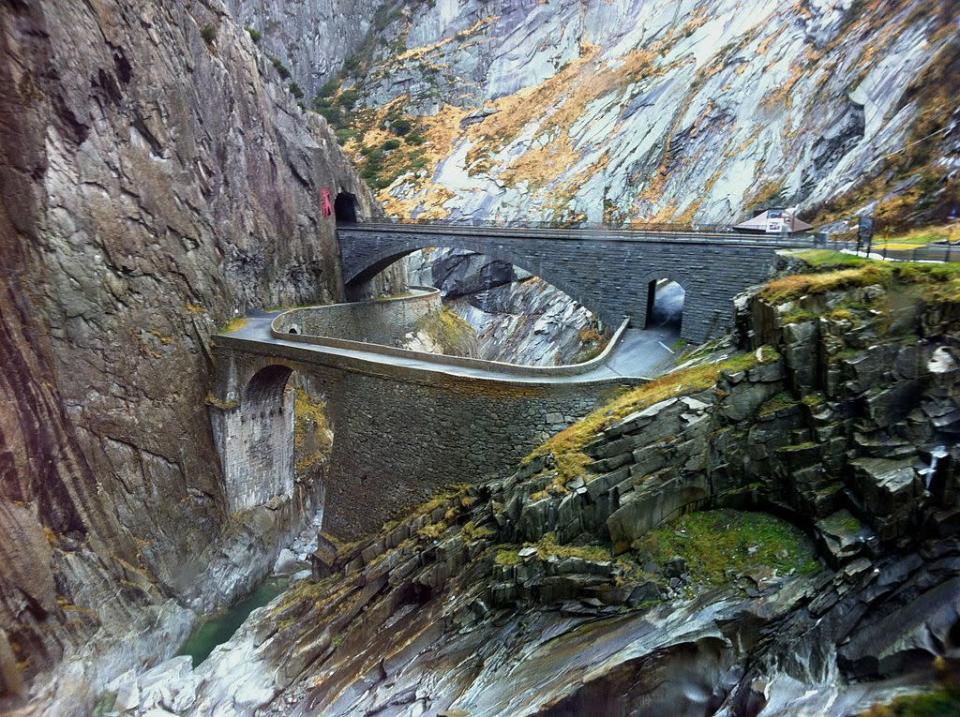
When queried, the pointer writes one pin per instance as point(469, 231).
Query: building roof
point(775, 220)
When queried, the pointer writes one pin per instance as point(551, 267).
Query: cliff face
point(155, 181)
point(655, 111)
point(311, 38)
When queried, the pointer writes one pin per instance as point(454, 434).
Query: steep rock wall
point(656, 111)
point(155, 181)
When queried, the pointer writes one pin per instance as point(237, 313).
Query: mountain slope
point(635, 110)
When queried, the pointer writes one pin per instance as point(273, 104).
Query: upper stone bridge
point(612, 272)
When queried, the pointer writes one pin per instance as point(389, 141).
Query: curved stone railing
point(383, 321)
point(314, 325)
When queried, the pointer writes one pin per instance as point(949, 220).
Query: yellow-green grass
point(937, 281)
point(919, 237)
point(567, 445)
point(235, 324)
point(938, 703)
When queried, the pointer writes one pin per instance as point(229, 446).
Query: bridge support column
point(254, 433)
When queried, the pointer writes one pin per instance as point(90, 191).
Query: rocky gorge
point(769, 529)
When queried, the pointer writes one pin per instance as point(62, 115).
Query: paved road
point(639, 354)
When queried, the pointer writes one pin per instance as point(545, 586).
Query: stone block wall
point(381, 321)
point(400, 434)
point(611, 277)
point(255, 441)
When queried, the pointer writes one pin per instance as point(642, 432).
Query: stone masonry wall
point(381, 321)
point(399, 434)
point(609, 277)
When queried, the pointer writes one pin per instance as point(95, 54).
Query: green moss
point(802, 446)
point(797, 316)
point(813, 400)
point(717, 541)
point(777, 402)
point(939, 703)
point(567, 446)
point(451, 333)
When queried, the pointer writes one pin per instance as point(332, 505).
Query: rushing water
point(217, 630)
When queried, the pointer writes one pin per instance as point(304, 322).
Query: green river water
point(220, 627)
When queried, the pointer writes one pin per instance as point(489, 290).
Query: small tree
point(209, 34)
point(295, 90)
point(254, 33)
point(280, 68)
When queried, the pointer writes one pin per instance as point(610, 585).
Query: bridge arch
point(376, 262)
point(667, 295)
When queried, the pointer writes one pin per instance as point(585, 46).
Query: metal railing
point(656, 232)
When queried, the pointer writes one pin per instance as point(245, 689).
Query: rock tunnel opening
point(345, 208)
point(665, 303)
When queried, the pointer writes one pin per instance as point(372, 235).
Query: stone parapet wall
point(282, 324)
point(380, 321)
point(400, 434)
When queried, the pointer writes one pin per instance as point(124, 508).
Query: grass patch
point(919, 237)
point(567, 445)
point(235, 325)
point(716, 541)
point(939, 703)
point(548, 547)
point(938, 282)
point(774, 404)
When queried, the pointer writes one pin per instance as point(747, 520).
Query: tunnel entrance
point(345, 208)
point(665, 299)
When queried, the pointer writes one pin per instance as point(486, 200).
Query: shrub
point(348, 99)
point(280, 68)
point(209, 34)
point(390, 145)
point(400, 126)
point(329, 88)
point(295, 90)
point(415, 138)
point(254, 34)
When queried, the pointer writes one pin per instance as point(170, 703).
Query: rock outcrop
point(155, 181)
point(518, 317)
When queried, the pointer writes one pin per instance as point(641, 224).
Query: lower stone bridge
point(611, 272)
point(404, 423)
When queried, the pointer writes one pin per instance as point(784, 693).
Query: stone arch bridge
point(404, 424)
point(609, 271)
